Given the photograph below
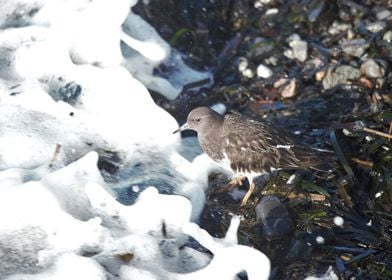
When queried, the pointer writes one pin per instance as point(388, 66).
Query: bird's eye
point(197, 120)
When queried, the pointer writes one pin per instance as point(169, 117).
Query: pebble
point(377, 26)
point(264, 72)
point(243, 64)
point(293, 37)
point(320, 75)
point(300, 49)
point(280, 82)
point(272, 11)
point(248, 73)
point(288, 90)
point(243, 68)
point(350, 34)
point(372, 69)
point(339, 221)
point(355, 47)
point(387, 36)
point(320, 239)
point(342, 75)
point(384, 14)
point(259, 4)
point(272, 60)
point(337, 28)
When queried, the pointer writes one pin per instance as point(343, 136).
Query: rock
point(243, 64)
point(243, 67)
point(272, 60)
point(375, 27)
point(355, 47)
point(274, 218)
point(248, 73)
point(272, 11)
point(320, 75)
point(384, 14)
point(387, 36)
point(300, 50)
point(259, 4)
point(288, 90)
point(280, 82)
point(372, 69)
point(264, 72)
point(337, 28)
point(343, 74)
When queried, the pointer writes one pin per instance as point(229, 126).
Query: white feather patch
point(225, 163)
point(288, 147)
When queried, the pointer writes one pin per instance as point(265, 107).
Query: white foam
point(68, 101)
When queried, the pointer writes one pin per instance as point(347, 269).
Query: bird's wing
point(261, 146)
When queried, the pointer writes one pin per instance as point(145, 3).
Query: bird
point(249, 148)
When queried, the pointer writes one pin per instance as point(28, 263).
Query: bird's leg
point(248, 193)
point(232, 184)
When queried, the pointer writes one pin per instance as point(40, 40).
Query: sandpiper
point(250, 148)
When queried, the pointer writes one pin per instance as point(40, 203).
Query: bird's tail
point(317, 159)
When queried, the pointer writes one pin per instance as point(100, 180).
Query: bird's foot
point(238, 181)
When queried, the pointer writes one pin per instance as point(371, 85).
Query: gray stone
point(342, 75)
point(375, 27)
point(300, 49)
point(387, 36)
point(372, 69)
point(355, 47)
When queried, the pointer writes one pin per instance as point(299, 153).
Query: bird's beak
point(185, 126)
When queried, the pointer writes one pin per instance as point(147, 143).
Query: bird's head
point(201, 119)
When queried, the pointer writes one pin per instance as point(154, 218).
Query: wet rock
point(375, 27)
point(299, 49)
point(350, 34)
point(264, 72)
point(372, 69)
point(274, 218)
point(289, 90)
point(272, 60)
point(70, 93)
point(383, 15)
point(272, 11)
point(280, 82)
point(387, 36)
point(319, 76)
point(337, 28)
point(343, 74)
point(259, 4)
point(248, 73)
point(286, 87)
point(355, 47)
point(243, 64)
point(243, 68)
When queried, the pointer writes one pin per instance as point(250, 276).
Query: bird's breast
point(212, 148)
